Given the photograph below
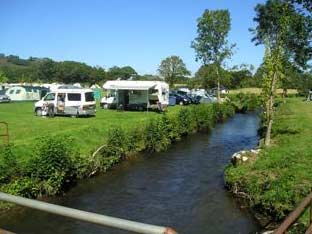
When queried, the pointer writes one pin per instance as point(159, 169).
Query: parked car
point(194, 99)
point(223, 90)
point(4, 97)
point(181, 99)
point(208, 99)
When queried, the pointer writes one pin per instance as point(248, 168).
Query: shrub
point(8, 164)
point(185, 121)
point(53, 163)
point(25, 186)
point(117, 143)
point(156, 138)
point(203, 116)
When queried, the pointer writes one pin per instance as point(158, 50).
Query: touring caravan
point(135, 95)
point(72, 101)
point(25, 93)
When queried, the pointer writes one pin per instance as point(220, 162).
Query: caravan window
point(74, 97)
point(12, 91)
point(18, 91)
point(50, 97)
point(89, 97)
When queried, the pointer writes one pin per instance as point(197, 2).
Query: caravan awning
point(129, 85)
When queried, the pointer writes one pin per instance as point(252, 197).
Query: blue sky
point(139, 33)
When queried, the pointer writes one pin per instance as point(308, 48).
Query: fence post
point(6, 132)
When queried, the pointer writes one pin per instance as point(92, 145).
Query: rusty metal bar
point(2, 231)
point(293, 216)
point(87, 216)
point(6, 132)
point(310, 220)
point(309, 230)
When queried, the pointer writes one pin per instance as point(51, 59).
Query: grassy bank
point(282, 174)
point(25, 127)
point(47, 155)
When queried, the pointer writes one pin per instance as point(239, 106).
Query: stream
point(182, 188)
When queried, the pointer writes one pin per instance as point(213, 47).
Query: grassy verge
point(282, 174)
point(89, 133)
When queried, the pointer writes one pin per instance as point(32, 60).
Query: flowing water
point(182, 188)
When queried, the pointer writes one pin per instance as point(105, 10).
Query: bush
point(53, 163)
point(117, 143)
point(156, 135)
point(186, 122)
point(203, 115)
point(245, 102)
point(8, 164)
point(24, 186)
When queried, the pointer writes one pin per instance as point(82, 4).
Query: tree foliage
point(211, 44)
point(173, 69)
point(123, 73)
point(279, 20)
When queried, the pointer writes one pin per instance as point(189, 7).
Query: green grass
point(89, 133)
point(282, 175)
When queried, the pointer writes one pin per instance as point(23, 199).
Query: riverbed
point(182, 188)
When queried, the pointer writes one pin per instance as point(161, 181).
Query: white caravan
point(137, 95)
point(74, 102)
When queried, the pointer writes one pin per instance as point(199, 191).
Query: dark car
point(3, 97)
point(194, 99)
point(181, 99)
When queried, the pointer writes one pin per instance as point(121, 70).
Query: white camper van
point(74, 102)
point(135, 95)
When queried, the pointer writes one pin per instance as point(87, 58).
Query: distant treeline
point(45, 70)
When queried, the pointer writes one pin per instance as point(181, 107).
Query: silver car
point(4, 97)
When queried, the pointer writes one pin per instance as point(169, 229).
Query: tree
point(3, 78)
point(278, 20)
point(211, 44)
point(273, 73)
point(286, 31)
point(207, 76)
point(46, 69)
point(173, 69)
point(123, 73)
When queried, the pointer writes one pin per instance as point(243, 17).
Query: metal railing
point(6, 131)
point(293, 216)
point(88, 216)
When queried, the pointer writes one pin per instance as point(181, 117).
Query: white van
point(74, 102)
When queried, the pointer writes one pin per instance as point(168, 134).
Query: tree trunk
point(218, 83)
point(270, 111)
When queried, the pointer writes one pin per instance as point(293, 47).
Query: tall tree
point(211, 44)
point(208, 77)
point(123, 73)
point(172, 69)
point(280, 21)
point(3, 78)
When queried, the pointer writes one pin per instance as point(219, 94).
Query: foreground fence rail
point(87, 216)
point(293, 216)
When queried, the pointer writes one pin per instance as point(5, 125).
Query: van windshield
point(89, 97)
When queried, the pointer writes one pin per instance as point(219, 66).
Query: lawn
point(282, 175)
point(89, 133)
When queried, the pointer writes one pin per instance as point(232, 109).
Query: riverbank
point(168, 188)
point(57, 160)
point(281, 175)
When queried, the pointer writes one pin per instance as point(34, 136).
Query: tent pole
point(147, 100)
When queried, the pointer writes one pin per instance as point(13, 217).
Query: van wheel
point(39, 112)
point(76, 115)
point(181, 103)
